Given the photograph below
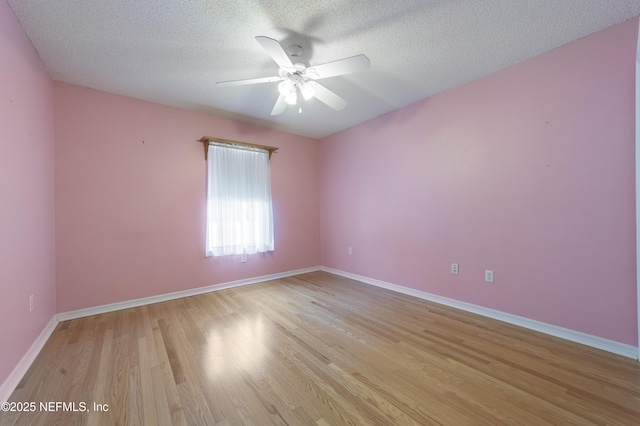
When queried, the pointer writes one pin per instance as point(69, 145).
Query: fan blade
point(279, 107)
point(249, 81)
point(326, 96)
point(339, 67)
point(277, 53)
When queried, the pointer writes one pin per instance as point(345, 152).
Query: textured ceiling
point(172, 52)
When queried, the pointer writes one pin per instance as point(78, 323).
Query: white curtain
point(239, 211)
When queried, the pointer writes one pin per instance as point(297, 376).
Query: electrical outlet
point(350, 250)
point(488, 276)
point(243, 258)
point(31, 303)
point(454, 268)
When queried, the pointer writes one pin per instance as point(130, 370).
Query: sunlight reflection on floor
point(241, 346)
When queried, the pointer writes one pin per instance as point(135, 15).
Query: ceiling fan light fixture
point(286, 88)
point(291, 98)
point(308, 89)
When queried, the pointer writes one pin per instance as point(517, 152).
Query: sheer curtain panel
point(239, 211)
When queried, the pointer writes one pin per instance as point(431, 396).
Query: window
point(239, 211)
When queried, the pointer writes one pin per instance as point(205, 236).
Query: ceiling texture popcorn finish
point(173, 52)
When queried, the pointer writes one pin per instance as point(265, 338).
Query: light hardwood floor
point(319, 349)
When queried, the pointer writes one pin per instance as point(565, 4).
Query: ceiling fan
point(297, 81)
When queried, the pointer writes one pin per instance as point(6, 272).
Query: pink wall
point(130, 200)
point(27, 259)
point(528, 171)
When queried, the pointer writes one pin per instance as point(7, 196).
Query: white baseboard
point(65, 316)
point(553, 330)
point(10, 384)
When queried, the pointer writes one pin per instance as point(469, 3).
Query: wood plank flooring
point(318, 349)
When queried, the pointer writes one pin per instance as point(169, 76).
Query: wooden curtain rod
point(206, 139)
